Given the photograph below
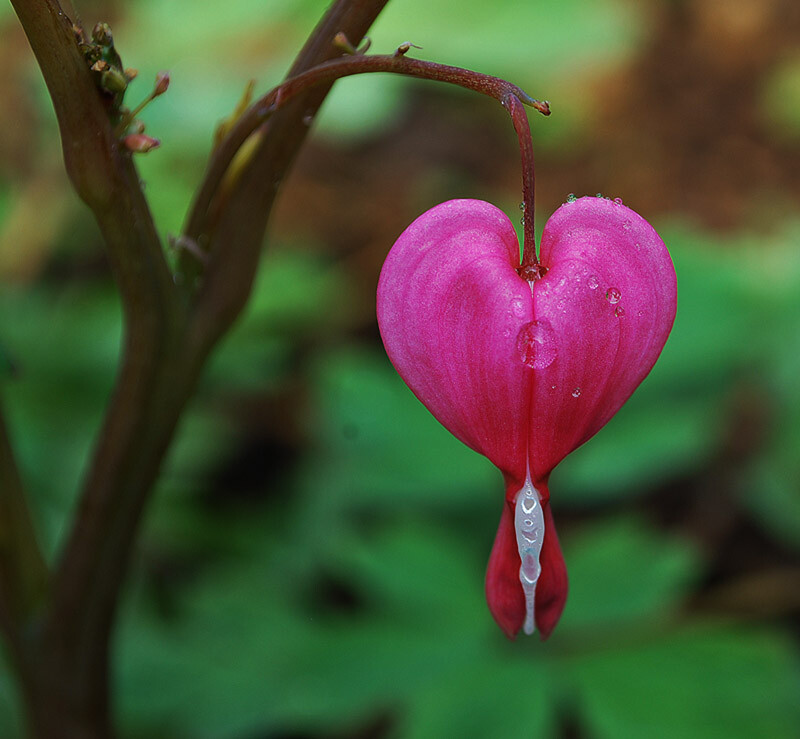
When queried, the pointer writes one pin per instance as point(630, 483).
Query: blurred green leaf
point(376, 445)
point(621, 572)
point(66, 345)
point(298, 297)
point(704, 682)
point(770, 487)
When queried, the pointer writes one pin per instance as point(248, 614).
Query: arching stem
point(512, 97)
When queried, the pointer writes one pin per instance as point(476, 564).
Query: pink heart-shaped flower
point(524, 372)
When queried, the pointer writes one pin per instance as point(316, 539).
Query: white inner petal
point(529, 525)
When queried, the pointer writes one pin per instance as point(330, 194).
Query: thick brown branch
point(163, 354)
point(105, 178)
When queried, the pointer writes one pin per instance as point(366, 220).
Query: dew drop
point(617, 201)
point(626, 225)
point(576, 393)
point(613, 295)
point(599, 195)
point(593, 282)
point(518, 307)
point(522, 206)
point(536, 344)
point(522, 221)
point(571, 198)
point(619, 311)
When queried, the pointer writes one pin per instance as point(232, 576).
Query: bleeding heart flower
point(522, 371)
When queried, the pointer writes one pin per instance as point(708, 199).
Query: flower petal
point(504, 592)
point(608, 303)
point(526, 372)
point(450, 308)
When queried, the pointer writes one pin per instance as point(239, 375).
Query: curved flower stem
point(529, 267)
point(511, 96)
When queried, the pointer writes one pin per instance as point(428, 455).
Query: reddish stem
point(529, 268)
point(512, 97)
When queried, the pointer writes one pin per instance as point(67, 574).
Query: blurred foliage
point(313, 558)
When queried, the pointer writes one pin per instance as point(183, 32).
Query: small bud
point(140, 143)
point(79, 34)
point(101, 34)
point(113, 80)
point(403, 49)
point(340, 41)
point(131, 74)
point(162, 83)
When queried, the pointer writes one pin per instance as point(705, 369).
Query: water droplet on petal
point(593, 282)
point(617, 201)
point(576, 393)
point(571, 198)
point(599, 195)
point(613, 295)
point(518, 306)
point(619, 311)
point(626, 225)
point(536, 344)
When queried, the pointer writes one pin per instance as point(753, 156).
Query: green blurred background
point(312, 563)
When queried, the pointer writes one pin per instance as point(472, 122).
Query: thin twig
point(77, 621)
